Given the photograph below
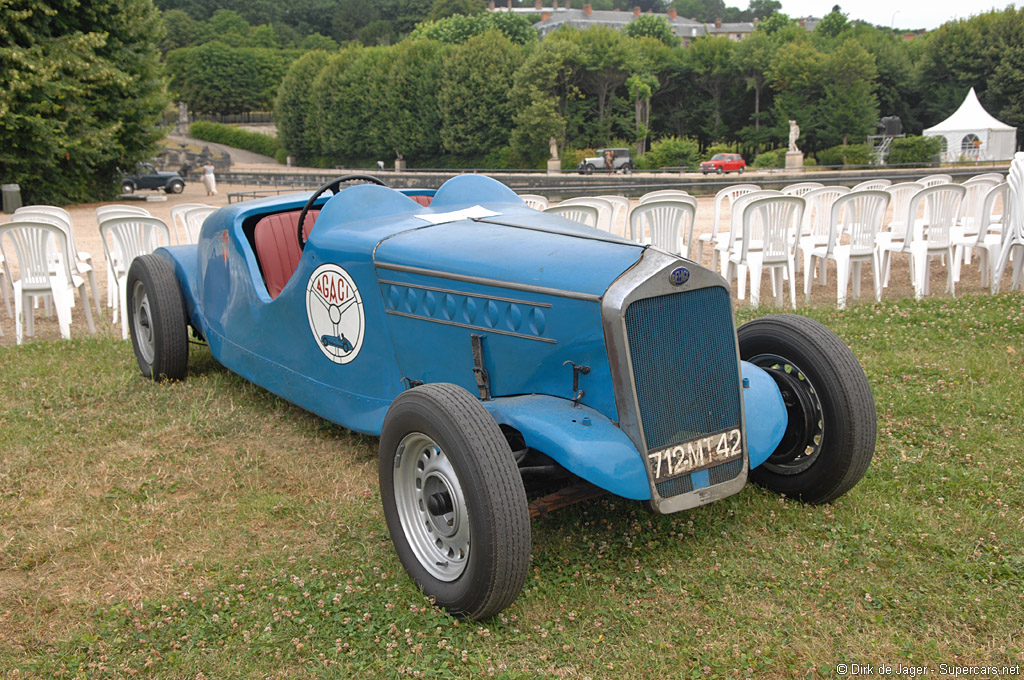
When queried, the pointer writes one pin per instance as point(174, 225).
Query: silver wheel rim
point(142, 320)
point(431, 506)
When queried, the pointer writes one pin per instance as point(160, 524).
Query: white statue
point(794, 132)
point(553, 143)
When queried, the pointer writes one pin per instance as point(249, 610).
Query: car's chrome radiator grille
point(683, 351)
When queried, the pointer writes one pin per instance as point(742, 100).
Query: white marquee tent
point(973, 133)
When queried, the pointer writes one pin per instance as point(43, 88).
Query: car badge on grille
point(679, 276)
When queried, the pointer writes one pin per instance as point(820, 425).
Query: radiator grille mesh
point(683, 352)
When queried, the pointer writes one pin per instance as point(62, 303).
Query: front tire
point(158, 322)
point(454, 500)
point(832, 420)
point(127, 188)
point(175, 187)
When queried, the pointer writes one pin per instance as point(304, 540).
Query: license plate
point(696, 454)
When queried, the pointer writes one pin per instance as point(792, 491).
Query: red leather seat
point(277, 246)
point(422, 200)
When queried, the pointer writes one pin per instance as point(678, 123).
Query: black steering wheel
point(335, 186)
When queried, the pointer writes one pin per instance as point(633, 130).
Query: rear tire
point(157, 322)
point(588, 169)
point(454, 500)
point(832, 421)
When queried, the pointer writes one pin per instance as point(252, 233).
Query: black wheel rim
point(802, 442)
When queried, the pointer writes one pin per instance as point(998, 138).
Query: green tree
point(651, 26)
point(80, 95)
point(348, 98)
point(474, 98)
point(294, 111)
point(409, 99)
point(216, 78)
point(762, 9)
point(460, 28)
point(607, 58)
point(849, 108)
point(714, 69)
point(446, 8)
point(753, 56)
point(544, 89)
point(831, 25)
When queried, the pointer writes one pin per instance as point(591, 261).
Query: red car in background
point(724, 162)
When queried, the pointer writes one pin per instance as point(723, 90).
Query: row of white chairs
point(846, 225)
point(51, 267)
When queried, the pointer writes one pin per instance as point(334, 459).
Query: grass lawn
point(209, 529)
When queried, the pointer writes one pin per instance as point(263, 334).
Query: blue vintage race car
point(510, 361)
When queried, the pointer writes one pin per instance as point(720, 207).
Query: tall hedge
point(294, 112)
point(80, 95)
point(216, 78)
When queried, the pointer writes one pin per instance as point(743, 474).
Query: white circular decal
point(335, 312)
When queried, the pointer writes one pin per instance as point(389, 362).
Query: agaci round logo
point(679, 276)
point(335, 311)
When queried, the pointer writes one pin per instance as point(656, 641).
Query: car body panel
point(146, 176)
point(429, 283)
point(723, 162)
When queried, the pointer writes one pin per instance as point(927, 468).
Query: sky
point(909, 14)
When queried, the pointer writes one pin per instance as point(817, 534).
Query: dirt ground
point(159, 205)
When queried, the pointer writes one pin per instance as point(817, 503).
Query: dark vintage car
point(723, 163)
point(146, 176)
point(509, 360)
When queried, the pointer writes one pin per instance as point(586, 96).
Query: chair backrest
point(997, 177)
point(859, 215)
point(1013, 215)
point(584, 214)
point(535, 201)
point(133, 236)
point(969, 214)
point(730, 194)
point(661, 194)
point(941, 203)
point(33, 241)
point(999, 192)
point(620, 207)
point(670, 222)
point(50, 213)
point(801, 188)
point(739, 205)
point(103, 210)
point(178, 223)
point(869, 184)
point(767, 224)
point(605, 210)
point(194, 221)
point(819, 210)
point(46, 210)
point(900, 195)
point(934, 180)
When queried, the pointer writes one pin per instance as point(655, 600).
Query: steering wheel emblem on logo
point(679, 276)
point(335, 311)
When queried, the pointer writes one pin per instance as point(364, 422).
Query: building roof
point(682, 27)
point(970, 116)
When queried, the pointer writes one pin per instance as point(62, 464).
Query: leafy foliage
point(671, 152)
point(230, 135)
point(80, 95)
point(294, 111)
point(913, 150)
point(851, 154)
point(650, 26)
point(460, 28)
point(217, 78)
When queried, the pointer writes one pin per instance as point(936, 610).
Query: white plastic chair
point(815, 227)
point(728, 194)
point(81, 261)
point(130, 237)
point(988, 243)
point(620, 208)
point(872, 184)
point(661, 194)
point(800, 188)
point(535, 201)
point(33, 243)
point(928, 236)
point(669, 223)
point(1013, 228)
point(180, 224)
point(584, 214)
point(935, 180)
point(996, 177)
point(605, 210)
point(859, 215)
point(194, 221)
point(730, 243)
point(765, 243)
point(969, 214)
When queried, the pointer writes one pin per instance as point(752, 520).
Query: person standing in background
point(209, 181)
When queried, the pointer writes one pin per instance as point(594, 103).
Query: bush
point(850, 154)
point(573, 157)
point(229, 135)
point(717, 148)
point(776, 158)
point(914, 151)
point(670, 152)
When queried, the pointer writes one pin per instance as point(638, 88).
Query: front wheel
point(454, 500)
point(175, 187)
point(127, 188)
point(159, 327)
point(830, 438)
point(627, 168)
